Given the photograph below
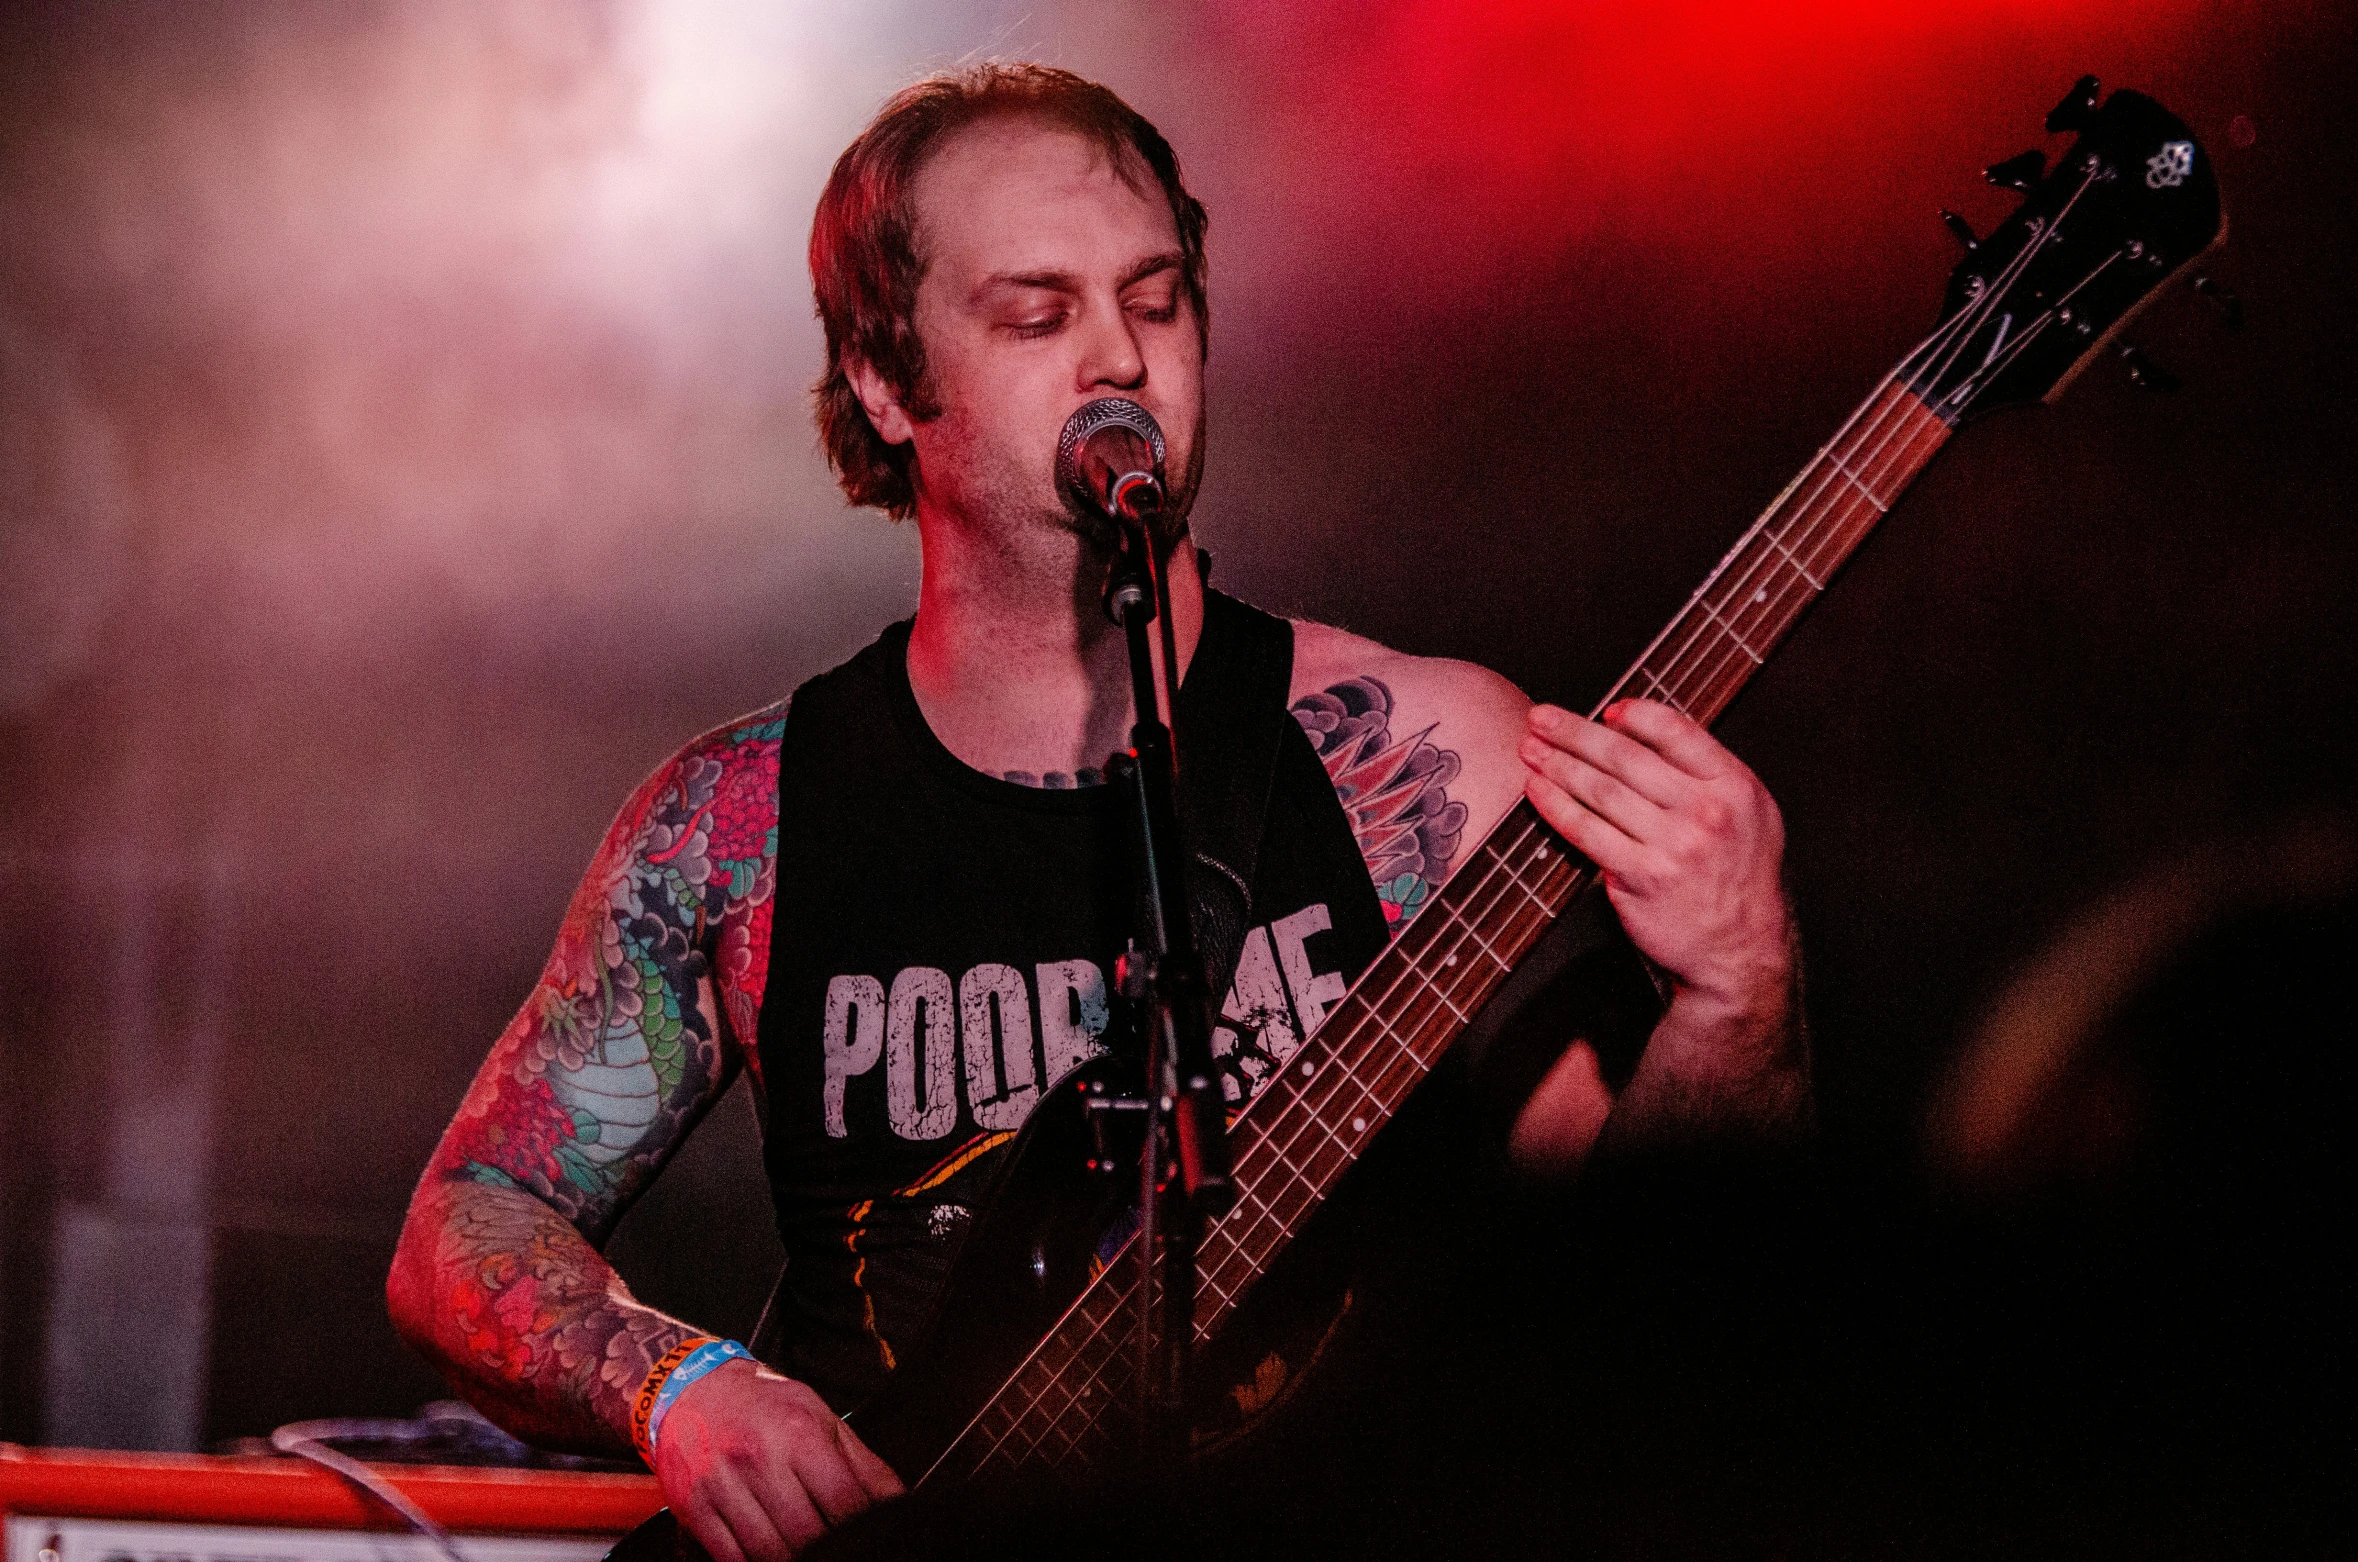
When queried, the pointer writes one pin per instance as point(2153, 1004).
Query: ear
point(885, 413)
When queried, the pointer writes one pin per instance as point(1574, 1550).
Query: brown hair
point(864, 261)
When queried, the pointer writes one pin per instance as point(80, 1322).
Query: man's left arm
point(1691, 847)
point(1690, 844)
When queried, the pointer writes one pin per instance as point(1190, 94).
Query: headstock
point(2120, 214)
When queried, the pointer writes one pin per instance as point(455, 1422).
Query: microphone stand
point(1184, 1170)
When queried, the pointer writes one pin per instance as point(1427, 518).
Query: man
point(887, 899)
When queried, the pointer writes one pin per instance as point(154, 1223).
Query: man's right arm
point(623, 1045)
point(616, 1054)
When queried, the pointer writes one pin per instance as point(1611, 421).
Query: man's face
point(1049, 282)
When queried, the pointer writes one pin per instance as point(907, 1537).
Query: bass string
point(1123, 1292)
point(1938, 354)
point(1880, 409)
point(1801, 540)
point(1525, 917)
point(1373, 1045)
point(1959, 331)
point(1956, 327)
point(1782, 540)
point(1817, 546)
point(1895, 406)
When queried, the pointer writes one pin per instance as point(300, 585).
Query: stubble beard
point(1005, 511)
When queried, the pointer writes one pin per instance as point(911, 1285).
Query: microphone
point(1110, 458)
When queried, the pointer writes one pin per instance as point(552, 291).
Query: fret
point(1821, 542)
point(1497, 903)
point(1294, 1179)
point(1055, 1456)
point(1770, 536)
point(1407, 1006)
point(1538, 901)
point(1262, 1205)
point(1072, 1405)
point(1007, 1420)
point(1342, 1061)
point(1749, 613)
point(1546, 908)
point(1048, 1379)
point(1285, 1132)
point(1401, 1041)
point(1316, 1119)
point(1267, 1206)
point(1214, 1259)
point(1017, 1448)
point(1659, 688)
point(1216, 1236)
point(1879, 505)
point(1109, 1359)
point(1371, 1105)
point(1281, 1162)
point(1476, 935)
point(1757, 658)
point(1842, 528)
point(1312, 1146)
point(1455, 1012)
point(1051, 1409)
point(1912, 423)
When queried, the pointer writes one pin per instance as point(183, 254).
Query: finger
point(736, 1529)
point(830, 1481)
point(1593, 837)
point(1618, 754)
point(711, 1532)
point(873, 1472)
point(1609, 798)
point(788, 1507)
point(1674, 735)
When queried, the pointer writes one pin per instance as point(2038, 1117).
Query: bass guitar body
point(1053, 1222)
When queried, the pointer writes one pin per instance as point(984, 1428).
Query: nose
point(1110, 358)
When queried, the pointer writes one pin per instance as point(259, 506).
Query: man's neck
point(1013, 661)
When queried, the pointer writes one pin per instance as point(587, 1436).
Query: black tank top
point(942, 948)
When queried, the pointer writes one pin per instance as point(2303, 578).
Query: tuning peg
point(2077, 111)
point(2145, 373)
point(2018, 173)
point(1962, 229)
point(2230, 308)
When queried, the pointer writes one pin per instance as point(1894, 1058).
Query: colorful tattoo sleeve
point(1395, 791)
point(638, 1023)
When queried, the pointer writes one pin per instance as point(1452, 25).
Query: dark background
point(404, 445)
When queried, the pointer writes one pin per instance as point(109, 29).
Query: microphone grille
point(1105, 412)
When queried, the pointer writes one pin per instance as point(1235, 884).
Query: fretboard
point(1309, 1122)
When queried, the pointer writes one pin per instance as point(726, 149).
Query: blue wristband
point(703, 1359)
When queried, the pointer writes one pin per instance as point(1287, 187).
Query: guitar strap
point(1232, 720)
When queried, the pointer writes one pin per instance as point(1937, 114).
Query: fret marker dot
point(1359, 1125)
point(1760, 595)
point(1307, 1071)
point(1450, 960)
